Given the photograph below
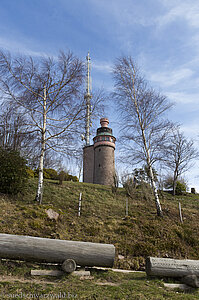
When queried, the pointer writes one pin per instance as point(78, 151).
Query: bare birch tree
point(10, 126)
point(142, 110)
point(47, 92)
point(15, 134)
point(179, 154)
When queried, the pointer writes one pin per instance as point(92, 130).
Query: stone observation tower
point(98, 159)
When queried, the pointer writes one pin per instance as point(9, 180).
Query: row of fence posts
point(80, 205)
point(127, 208)
point(180, 210)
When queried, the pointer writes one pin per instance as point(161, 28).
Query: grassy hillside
point(103, 220)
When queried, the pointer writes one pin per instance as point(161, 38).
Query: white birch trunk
point(155, 192)
point(39, 194)
point(40, 179)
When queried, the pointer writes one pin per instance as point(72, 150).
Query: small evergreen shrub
point(181, 185)
point(13, 172)
point(71, 178)
point(30, 173)
point(47, 173)
point(51, 173)
point(180, 188)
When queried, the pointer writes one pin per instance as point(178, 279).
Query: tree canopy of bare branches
point(47, 91)
point(142, 109)
point(16, 135)
point(179, 154)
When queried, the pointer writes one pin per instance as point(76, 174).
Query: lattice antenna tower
point(88, 97)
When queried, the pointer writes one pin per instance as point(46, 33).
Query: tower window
point(99, 150)
point(99, 165)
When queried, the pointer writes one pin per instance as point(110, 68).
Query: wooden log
point(69, 266)
point(56, 251)
point(169, 267)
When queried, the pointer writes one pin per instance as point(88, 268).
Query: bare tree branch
point(179, 153)
point(142, 111)
point(47, 90)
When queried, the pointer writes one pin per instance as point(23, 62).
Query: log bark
point(171, 267)
point(56, 251)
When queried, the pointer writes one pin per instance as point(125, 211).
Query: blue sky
point(162, 36)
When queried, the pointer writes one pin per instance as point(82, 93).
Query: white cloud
point(171, 77)
point(15, 46)
point(184, 98)
point(102, 66)
point(179, 9)
point(191, 130)
point(193, 42)
point(120, 14)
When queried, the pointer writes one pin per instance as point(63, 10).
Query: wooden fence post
point(127, 207)
point(180, 212)
point(80, 203)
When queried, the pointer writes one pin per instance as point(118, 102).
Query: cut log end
point(148, 266)
point(69, 266)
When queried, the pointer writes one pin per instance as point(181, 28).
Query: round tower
point(104, 158)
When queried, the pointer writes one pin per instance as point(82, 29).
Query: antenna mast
point(88, 97)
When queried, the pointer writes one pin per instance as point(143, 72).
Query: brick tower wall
point(88, 164)
point(104, 165)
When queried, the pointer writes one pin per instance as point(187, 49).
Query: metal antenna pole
point(88, 105)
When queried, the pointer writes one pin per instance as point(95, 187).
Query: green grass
point(103, 220)
point(101, 285)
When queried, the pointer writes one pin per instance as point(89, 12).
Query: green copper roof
point(104, 133)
